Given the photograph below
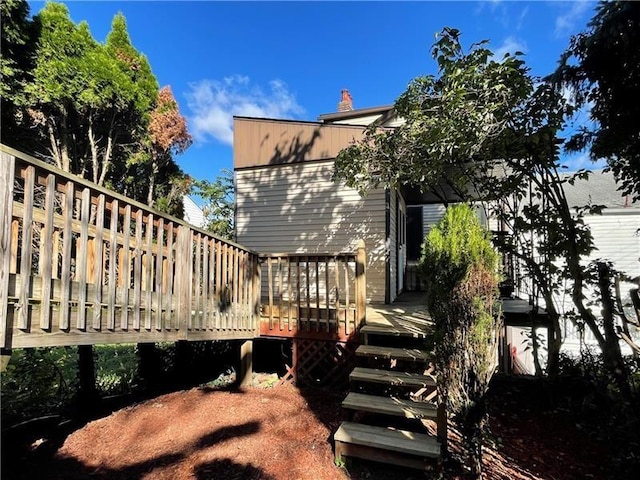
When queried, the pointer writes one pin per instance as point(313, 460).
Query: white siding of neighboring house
point(369, 119)
point(193, 214)
point(431, 214)
point(616, 239)
point(298, 208)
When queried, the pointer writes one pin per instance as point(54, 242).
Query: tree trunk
point(473, 427)
point(611, 350)
point(152, 182)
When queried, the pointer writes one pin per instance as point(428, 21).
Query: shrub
point(461, 271)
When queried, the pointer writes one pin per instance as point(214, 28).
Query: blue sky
point(291, 59)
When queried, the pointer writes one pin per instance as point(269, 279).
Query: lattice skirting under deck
point(321, 363)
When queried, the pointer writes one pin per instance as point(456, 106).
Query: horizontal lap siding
point(615, 237)
point(299, 208)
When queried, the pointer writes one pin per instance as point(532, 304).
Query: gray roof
point(599, 189)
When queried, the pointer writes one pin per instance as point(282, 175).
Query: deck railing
point(313, 295)
point(80, 264)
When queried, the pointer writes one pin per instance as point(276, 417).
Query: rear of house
point(288, 201)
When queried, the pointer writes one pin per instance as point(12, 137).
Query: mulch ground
point(278, 433)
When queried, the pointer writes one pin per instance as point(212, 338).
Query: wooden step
point(408, 354)
point(392, 331)
point(388, 377)
point(387, 438)
point(390, 406)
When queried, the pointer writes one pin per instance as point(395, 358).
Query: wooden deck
point(83, 265)
point(407, 316)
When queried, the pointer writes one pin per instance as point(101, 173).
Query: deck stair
point(392, 378)
point(388, 419)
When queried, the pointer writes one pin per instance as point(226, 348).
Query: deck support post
point(87, 391)
point(245, 372)
point(183, 362)
point(148, 365)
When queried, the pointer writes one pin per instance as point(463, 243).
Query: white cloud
point(509, 45)
point(567, 21)
point(521, 17)
point(213, 103)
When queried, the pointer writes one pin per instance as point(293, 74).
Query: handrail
point(82, 265)
point(308, 294)
point(110, 193)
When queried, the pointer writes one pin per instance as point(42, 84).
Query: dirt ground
point(278, 433)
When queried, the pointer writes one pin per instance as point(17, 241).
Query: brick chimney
point(346, 102)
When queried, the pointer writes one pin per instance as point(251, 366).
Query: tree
point(15, 66)
point(482, 129)
point(168, 135)
point(601, 68)
point(93, 109)
point(88, 102)
point(461, 271)
point(219, 205)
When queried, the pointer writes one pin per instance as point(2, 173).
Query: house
point(193, 214)
point(616, 237)
point(288, 201)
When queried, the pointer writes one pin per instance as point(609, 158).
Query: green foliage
point(484, 128)
point(87, 106)
point(16, 63)
point(219, 204)
point(454, 245)
point(600, 68)
point(38, 381)
point(115, 367)
point(461, 271)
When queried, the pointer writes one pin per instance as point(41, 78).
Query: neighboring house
point(193, 214)
point(288, 201)
point(616, 234)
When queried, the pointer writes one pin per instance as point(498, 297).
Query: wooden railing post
point(182, 283)
point(361, 284)
point(6, 216)
point(256, 290)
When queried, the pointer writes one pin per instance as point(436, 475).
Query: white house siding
point(431, 214)
point(298, 208)
point(193, 214)
point(616, 238)
point(369, 119)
